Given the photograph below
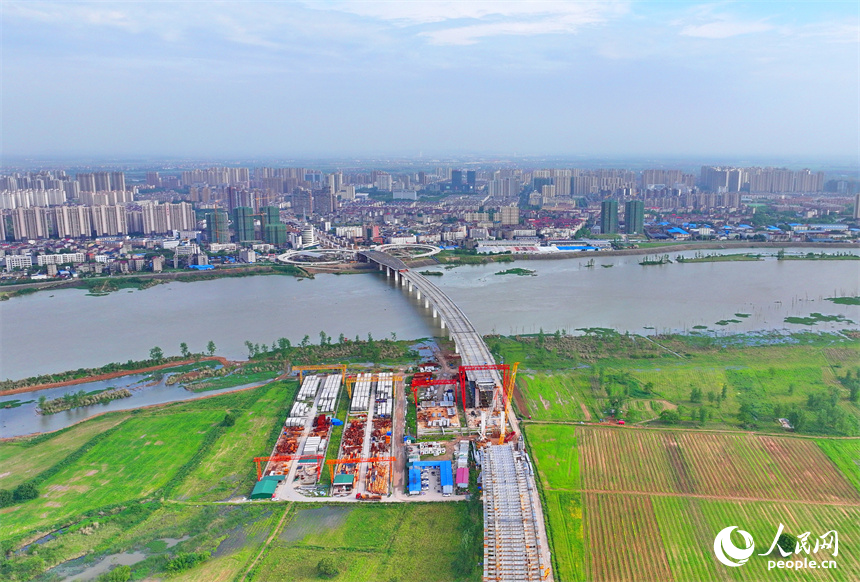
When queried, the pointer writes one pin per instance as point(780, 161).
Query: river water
point(66, 329)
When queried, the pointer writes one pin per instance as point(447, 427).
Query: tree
point(696, 395)
point(393, 336)
point(156, 354)
point(323, 338)
point(251, 350)
point(305, 341)
point(787, 542)
point(670, 416)
point(703, 415)
point(118, 574)
point(283, 344)
point(229, 419)
point(327, 568)
point(725, 392)
point(25, 491)
point(42, 400)
point(183, 348)
point(210, 348)
point(341, 339)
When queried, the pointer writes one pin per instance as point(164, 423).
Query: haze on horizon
point(334, 78)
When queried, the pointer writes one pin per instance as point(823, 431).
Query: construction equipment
point(423, 381)
point(504, 368)
point(284, 458)
point(508, 394)
point(302, 369)
point(355, 460)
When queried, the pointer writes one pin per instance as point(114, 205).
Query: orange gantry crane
point(333, 463)
point(301, 369)
point(283, 458)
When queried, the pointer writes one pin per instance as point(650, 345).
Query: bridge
point(467, 341)
point(516, 546)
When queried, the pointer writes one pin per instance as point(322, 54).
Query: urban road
point(515, 541)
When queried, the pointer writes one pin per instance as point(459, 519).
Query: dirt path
point(585, 411)
point(520, 400)
point(268, 541)
point(111, 375)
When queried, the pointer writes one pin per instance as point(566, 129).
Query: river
point(53, 331)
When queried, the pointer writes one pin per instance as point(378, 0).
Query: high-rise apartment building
point(509, 215)
point(634, 217)
point(243, 223)
point(609, 217)
point(217, 229)
point(109, 220)
point(30, 223)
point(72, 221)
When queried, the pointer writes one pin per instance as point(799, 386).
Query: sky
point(410, 78)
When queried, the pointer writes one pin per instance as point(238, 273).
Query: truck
point(368, 497)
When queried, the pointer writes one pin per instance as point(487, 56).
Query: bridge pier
point(380, 266)
point(442, 321)
point(434, 313)
point(387, 272)
point(419, 293)
point(426, 303)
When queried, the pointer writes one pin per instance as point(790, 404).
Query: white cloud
point(449, 21)
point(724, 29)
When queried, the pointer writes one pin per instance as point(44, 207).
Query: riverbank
point(112, 375)
point(141, 281)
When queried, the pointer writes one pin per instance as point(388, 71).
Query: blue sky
point(440, 78)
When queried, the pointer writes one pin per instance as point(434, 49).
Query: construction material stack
point(361, 394)
point(328, 397)
point(308, 391)
point(384, 394)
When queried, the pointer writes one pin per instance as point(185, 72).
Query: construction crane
point(508, 394)
point(353, 378)
point(302, 369)
point(421, 382)
point(504, 368)
point(354, 460)
point(283, 458)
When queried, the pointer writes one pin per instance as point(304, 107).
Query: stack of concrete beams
point(361, 393)
point(308, 391)
point(384, 391)
point(313, 445)
point(511, 546)
point(300, 409)
point(328, 396)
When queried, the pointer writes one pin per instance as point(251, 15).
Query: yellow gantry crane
point(509, 393)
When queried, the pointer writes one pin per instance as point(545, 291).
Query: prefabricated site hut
point(265, 487)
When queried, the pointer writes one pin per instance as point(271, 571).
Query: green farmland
point(636, 504)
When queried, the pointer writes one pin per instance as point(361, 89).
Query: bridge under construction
point(515, 542)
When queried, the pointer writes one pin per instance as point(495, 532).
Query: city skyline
point(366, 79)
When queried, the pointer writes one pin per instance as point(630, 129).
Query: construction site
point(465, 442)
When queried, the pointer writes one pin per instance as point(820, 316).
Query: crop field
point(623, 541)
point(414, 541)
point(29, 457)
point(646, 504)
point(688, 527)
point(229, 470)
point(711, 464)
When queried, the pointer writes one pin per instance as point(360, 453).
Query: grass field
point(846, 455)
point(405, 542)
point(26, 458)
point(229, 471)
point(738, 385)
point(135, 462)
